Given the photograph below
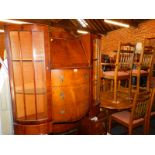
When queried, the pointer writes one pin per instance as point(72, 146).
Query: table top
point(107, 101)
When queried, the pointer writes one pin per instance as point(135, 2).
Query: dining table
point(123, 101)
point(107, 104)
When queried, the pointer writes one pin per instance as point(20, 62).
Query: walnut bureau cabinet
point(51, 78)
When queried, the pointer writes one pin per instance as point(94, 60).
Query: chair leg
point(147, 126)
point(115, 90)
point(130, 131)
point(147, 83)
point(110, 124)
point(130, 89)
point(111, 85)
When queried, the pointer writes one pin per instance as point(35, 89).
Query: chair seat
point(124, 117)
point(142, 72)
point(153, 113)
point(111, 74)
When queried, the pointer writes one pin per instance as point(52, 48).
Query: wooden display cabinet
point(54, 79)
point(29, 60)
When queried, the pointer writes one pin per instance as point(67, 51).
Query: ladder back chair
point(151, 111)
point(143, 68)
point(136, 116)
point(123, 68)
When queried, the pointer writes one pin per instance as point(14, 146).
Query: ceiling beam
point(37, 21)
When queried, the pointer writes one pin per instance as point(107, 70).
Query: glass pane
point(40, 73)
point(38, 46)
point(40, 77)
point(20, 106)
point(15, 45)
point(30, 106)
point(17, 77)
point(26, 45)
point(28, 73)
point(41, 106)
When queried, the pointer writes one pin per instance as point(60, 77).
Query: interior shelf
point(28, 60)
point(19, 90)
point(33, 117)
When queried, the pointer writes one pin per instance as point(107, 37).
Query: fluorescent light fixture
point(82, 31)
point(116, 23)
point(12, 21)
point(1, 31)
point(82, 22)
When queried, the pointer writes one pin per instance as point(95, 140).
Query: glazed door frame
point(35, 31)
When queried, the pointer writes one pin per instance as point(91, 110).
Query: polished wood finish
point(60, 128)
point(29, 72)
point(107, 101)
point(70, 78)
point(70, 94)
point(51, 77)
point(95, 76)
point(34, 129)
point(70, 50)
point(2, 47)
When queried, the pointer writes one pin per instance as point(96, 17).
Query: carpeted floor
point(120, 130)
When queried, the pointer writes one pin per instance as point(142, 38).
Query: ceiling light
point(82, 31)
point(116, 23)
point(1, 31)
point(82, 22)
point(13, 21)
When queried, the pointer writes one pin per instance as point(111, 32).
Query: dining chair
point(151, 111)
point(143, 67)
point(134, 117)
point(122, 70)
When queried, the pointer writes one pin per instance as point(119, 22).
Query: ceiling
point(96, 26)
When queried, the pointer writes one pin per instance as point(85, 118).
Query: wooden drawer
point(69, 103)
point(69, 77)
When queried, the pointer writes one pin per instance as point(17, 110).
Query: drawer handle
point(62, 111)
point(62, 95)
point(61, 77)
point(86, 76)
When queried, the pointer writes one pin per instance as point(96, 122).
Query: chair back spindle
point(140, 105)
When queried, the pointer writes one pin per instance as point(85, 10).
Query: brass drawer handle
point(86, 76)
point(62, 95)
point(61, 77)
point(62, 111)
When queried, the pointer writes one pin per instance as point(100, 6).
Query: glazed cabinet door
point(96, 71)
point(29, 73)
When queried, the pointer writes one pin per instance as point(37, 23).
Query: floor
point(120, 130)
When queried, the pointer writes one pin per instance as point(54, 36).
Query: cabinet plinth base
point(38, 129)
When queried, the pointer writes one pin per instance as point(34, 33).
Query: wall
point(2, 45)
point(110, 41)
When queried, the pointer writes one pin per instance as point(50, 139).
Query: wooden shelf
point(30, 91)
point(39, 117)
point(28, 60)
